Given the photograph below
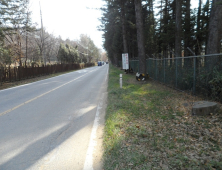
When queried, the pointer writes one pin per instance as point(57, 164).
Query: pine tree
point(14, 22)
point(215, 27)
point(178, 28)
point(140, 37)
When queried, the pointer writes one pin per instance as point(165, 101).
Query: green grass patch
point(147, 127)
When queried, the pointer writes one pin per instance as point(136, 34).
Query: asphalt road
point(55, 123)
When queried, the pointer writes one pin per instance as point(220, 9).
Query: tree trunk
point(140, 37)
point(125, 48)
point(116, 60)
point(178, 29)
point(187, 36)
point(207, 26)
point(215, 28)
point(198, 35)
point(165, 44)
point(187, 30)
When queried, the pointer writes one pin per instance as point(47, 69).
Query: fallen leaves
point(163, 134)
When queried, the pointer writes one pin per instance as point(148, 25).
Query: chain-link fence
point(200, 75)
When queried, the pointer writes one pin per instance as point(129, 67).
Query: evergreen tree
point(178, 28)
point(140, 36)
point(14, 22)
point(215, 27)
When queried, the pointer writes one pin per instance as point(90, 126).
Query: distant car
point(107, 62)
point(99, 63)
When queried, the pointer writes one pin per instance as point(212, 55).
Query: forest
point(161, 29)
point(24, 43)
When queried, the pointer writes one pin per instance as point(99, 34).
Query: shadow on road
point(22, 160)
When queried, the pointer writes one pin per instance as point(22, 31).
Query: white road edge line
point(88, 165)
point(107, 73)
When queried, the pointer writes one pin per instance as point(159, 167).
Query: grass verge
point(149, 126)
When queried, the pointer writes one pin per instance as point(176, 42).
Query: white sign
point(125, 61)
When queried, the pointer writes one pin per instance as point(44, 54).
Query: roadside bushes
point(210, 84)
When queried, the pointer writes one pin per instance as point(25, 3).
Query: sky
point(69, 18)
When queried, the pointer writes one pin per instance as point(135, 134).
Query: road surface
point(55, 123)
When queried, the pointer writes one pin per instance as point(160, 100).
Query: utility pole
point(87, 51)
point(87, 54)
point(42, 37)
point(26, 40)
point(26, 36)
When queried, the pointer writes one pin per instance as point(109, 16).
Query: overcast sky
point(70, 18)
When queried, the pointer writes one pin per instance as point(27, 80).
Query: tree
point(178, 28)
point(125, 46)
point(67, 54)
point(140, 37)
point(12, 17)
point(215, 28)
point(118, 24)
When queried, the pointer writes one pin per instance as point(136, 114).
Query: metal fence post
point(164, 69)
point(156, 68)
point(176, 71)
point(194, 75)
point(194, 70)
point(139, 66)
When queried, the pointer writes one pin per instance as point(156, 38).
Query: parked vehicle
point(99, 63)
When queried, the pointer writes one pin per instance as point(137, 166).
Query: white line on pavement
point(38, 81)
point(9, 110)
point(88, 165)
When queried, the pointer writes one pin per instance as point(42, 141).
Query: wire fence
point(10, 74)
point(199, 75)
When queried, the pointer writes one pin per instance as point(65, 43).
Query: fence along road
point(48, 124)
point(200, 75)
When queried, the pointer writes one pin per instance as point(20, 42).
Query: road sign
point(125, 61)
